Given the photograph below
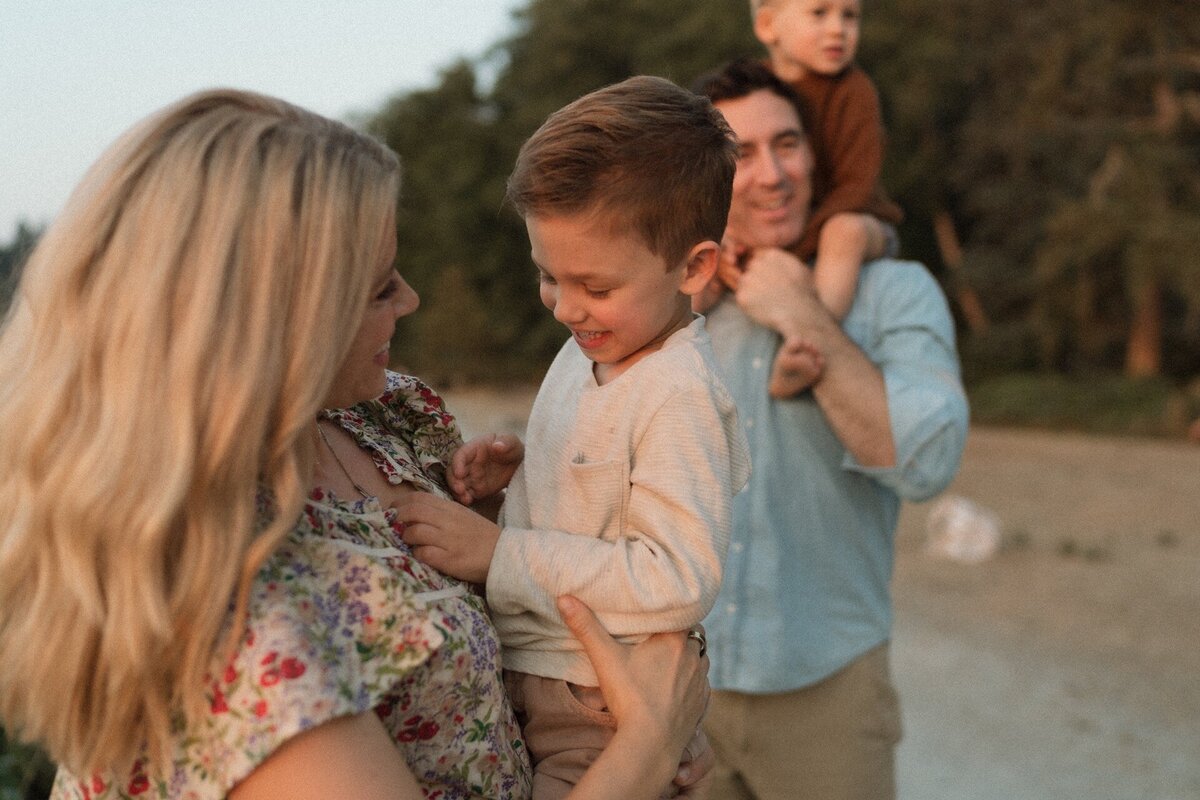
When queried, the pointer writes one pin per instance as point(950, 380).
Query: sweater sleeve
point(664, 571)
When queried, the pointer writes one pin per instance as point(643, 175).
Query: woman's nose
point(407, 299)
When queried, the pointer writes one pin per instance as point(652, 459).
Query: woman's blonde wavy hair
point(174, 334)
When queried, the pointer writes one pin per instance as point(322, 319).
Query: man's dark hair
point(744, 76)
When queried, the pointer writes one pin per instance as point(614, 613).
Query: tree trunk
point(1143, 350)
point(952, 257)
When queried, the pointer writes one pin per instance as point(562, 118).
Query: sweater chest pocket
point(598, 499)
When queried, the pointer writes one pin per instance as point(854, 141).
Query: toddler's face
point(619, 300)
point(809, 36)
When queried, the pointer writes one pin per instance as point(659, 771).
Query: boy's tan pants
point(564, 730)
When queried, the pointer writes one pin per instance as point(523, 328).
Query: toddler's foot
point(797, 366)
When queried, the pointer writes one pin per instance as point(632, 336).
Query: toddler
point(811, 44)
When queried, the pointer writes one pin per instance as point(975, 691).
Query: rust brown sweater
point(845, 128)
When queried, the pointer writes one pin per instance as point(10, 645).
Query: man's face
point(772, 187)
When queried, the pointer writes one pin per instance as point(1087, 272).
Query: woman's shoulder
point(408, 394)
point(330, 629)
point(409, 430)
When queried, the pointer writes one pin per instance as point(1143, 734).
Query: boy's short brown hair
point(645, 154)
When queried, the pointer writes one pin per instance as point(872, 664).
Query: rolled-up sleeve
point(912, 343)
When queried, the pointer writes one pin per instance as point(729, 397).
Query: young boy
point(811, 44)
point(633, 451)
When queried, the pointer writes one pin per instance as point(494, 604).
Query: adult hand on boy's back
point(447, 536)
point(484, 466)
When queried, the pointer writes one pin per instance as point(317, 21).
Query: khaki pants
point(565, 730)
point(835, 740)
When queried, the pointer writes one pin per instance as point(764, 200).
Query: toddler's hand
point(483, 466)
point(448, 537)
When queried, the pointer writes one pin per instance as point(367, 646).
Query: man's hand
point(483, 466)
point(776, 290)
point(447, 536)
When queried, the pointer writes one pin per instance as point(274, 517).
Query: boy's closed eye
point(547, 278)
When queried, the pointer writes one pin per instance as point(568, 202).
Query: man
point(799, 635)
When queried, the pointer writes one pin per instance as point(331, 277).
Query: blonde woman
point(202, 591)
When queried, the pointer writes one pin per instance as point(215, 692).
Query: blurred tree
point(926, 61)
point(1045, 152)
point(1124, 245)
point(12, 258)
point(25, 772)
point(459, 246)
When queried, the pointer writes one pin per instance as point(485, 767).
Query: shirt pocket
point(599, 498)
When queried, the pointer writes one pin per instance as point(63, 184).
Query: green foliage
point(1063, 138)
point(1102, 403)
point(1057, 141)
point(460, 248)
point(12, 258)
point(25, 772)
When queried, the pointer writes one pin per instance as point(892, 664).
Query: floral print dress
point(342, 619)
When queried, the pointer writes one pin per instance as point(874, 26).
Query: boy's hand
point(483, 466)
point(449, 537)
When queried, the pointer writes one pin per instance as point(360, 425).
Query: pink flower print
point(260, 709)
point(270, 677)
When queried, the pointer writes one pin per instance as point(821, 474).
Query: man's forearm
point(777, 291)
point(851, 391)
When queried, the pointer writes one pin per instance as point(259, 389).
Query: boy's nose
point(566, 310)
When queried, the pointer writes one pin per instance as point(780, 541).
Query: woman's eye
point(389, 290)
point(598, 293)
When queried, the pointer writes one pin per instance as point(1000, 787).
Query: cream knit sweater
point(623, 501)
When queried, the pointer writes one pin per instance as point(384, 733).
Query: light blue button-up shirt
point(806, 586)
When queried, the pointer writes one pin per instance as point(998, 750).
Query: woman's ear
point(701, 267)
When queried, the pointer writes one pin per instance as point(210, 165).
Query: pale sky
point(74, 74)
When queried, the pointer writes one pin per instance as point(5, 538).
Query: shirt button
point(749, 424)
point(731, 608)
point(757, 362)
point(736, 547)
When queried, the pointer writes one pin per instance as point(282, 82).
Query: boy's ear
point(701, 267)
point(764, 25)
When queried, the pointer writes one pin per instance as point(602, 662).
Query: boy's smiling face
point(619, 300)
